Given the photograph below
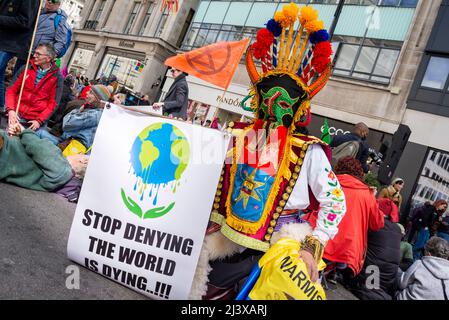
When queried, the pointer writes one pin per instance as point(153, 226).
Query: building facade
point(129, 39)
point(73, 9)
point(378, 47)
point(428, 111)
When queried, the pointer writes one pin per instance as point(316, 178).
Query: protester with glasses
point(41, 93)
point(176, 101)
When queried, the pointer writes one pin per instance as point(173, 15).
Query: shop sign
point(229, 101)
point(127, 44)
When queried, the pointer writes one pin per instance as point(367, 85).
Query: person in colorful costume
point(272, 170)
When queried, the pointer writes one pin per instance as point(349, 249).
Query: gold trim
point(237, 237)
point(247, 226)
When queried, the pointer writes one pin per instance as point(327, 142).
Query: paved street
point(34, 230)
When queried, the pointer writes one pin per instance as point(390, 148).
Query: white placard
point(146, 201)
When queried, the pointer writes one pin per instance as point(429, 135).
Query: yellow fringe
point(295, 49)
point(288, 47)
point(281, 50)
point(301, 53)
point(305, 105)
point(292, 75)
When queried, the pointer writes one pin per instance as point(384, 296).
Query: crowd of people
point(49, 137)
point(411, 261)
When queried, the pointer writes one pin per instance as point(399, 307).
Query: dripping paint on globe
point(158, 158)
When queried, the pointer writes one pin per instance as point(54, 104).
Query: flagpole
point(220, 102)
point(29, 57)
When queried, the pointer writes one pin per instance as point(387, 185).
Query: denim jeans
point(4, 59)
point(44, 134)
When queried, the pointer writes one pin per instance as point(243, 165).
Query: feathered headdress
point(301, 53)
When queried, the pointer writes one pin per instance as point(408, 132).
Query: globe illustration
point(159, 156)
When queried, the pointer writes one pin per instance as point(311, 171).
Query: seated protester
point(68, 94)
point(383, 255)
point(362, 214)
point(81, 124)
point(33, 163)
point(428, 278)
point(406, 251)
point(41, 93)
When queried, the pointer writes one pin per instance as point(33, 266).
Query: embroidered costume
point(273, 170)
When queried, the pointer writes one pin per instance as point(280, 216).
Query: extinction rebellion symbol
point(204, 63)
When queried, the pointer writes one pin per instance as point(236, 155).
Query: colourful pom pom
point(319, 36)
point(314, 26)
point(280, 18)
point(259, 51)
point(308, 14)
point(265, 37)
point(274, 27)
point(322, 49)
point(320, 63)
point(291, 12)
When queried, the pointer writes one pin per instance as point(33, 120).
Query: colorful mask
point(294, 70)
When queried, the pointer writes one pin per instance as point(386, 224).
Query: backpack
point(346, 149)
point(68, 40)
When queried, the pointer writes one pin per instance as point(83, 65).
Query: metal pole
point(336, 17)
point(28, 57)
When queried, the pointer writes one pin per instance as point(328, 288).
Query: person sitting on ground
point(393, 192)
point(33, 163)
point(362, 214)
point(360, 134)
point(428, 278)
point(68, 94)
point(81, 124)
point(41, 93)
point(406, 251)
point(382, 258)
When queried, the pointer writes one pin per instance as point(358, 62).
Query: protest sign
point(146, 200)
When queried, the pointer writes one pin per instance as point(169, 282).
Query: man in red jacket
point(41, 93)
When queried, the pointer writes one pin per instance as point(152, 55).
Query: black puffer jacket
point(17, 18)
point(384, 251)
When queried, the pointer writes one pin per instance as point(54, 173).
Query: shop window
point(123, 68)
point(80, 60)
point(437, 73)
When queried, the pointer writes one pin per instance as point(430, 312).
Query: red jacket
point(362, 214)
point(38, 102)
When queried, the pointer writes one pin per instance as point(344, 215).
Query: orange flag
point(215, 63)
